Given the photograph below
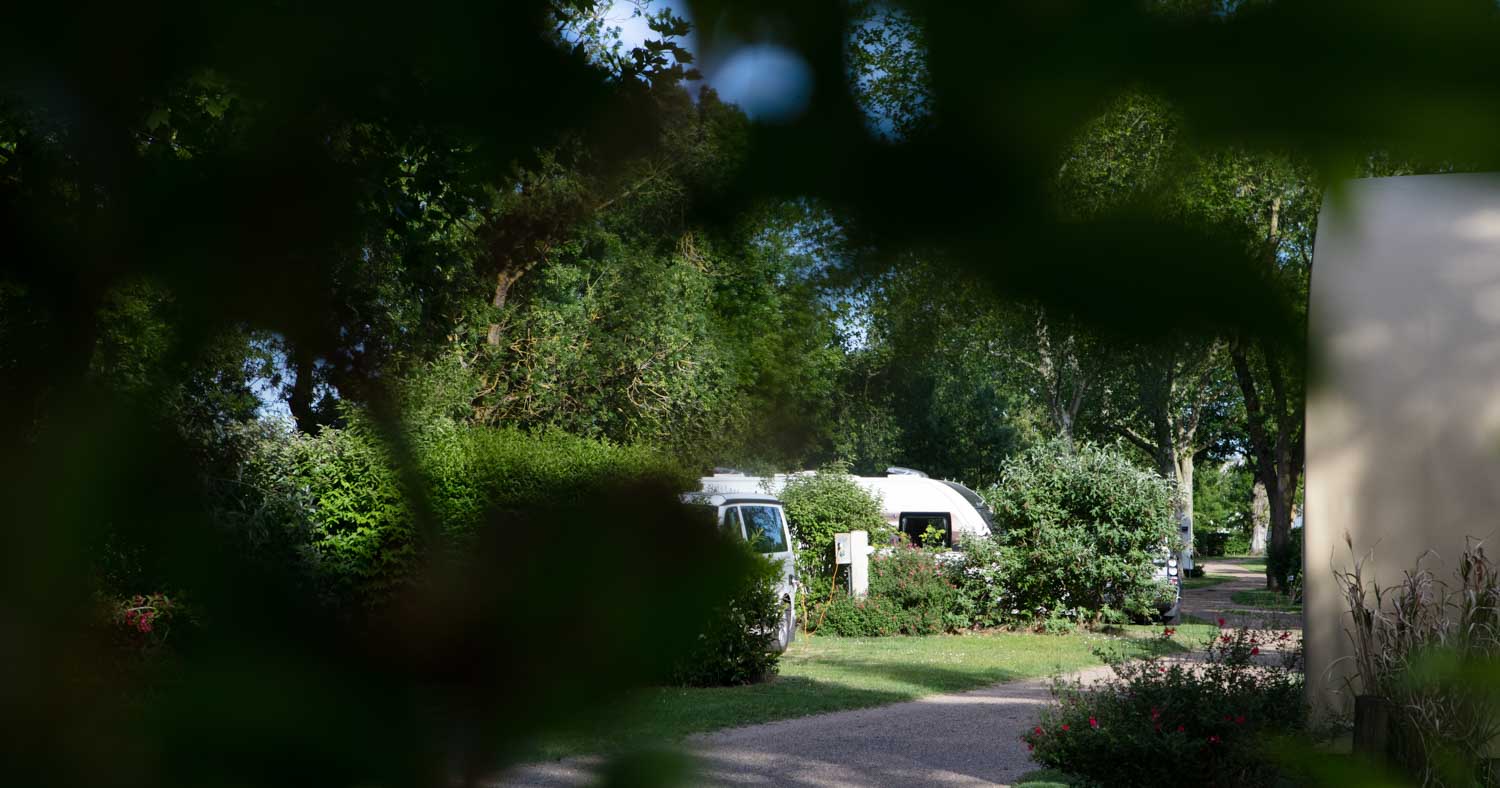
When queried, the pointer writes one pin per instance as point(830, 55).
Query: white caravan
point(908, 500)
point(912, 502)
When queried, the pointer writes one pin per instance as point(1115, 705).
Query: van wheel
point(786, 627)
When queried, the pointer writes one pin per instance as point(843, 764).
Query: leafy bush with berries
point(1153, 722)
point(141, 622)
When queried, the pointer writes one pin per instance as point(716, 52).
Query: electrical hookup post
point(854, 549)
point(1185, 529)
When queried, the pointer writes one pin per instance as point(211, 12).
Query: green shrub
point(980, 572)
point(1209, 544)
point(1286, 563)
point(1237, 544)
point(340, 491)
point(732, 648)
point(1152, 723)
point(909, 595)
point(364, 540)
point(1084, 527)
point(823, 504)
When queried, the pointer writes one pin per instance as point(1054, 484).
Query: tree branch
point(1137, 439)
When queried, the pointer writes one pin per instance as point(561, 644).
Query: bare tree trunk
point(1260, 508)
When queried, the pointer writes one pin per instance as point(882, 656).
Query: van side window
point(732, 525)
point(914, 524)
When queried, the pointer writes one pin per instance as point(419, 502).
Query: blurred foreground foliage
point(199, 199)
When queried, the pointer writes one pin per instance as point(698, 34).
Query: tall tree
point(1275, 200)
point(1170, 404)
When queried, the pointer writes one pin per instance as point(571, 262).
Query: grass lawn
point(1205, 581)
point(1264, 600)
point(1044, 778)
point(1258, 567)
point(822, 674)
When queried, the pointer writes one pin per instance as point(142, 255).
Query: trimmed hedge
point(360, 515)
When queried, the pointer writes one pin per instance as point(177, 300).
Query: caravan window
point(914, 524)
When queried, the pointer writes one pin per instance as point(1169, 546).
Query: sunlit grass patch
point(1204, 581)
point(1264, 600)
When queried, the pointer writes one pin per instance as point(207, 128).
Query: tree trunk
point(503, 281)
point(1281, 521)
point(1185, 487)
point(300, 403)
point(1260, 509)
point(1184, 509)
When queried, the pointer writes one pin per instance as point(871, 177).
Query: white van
point(759, 520)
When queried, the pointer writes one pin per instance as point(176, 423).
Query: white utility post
point(859, 564)
point(854, 549)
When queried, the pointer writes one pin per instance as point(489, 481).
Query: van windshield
point(763, 529)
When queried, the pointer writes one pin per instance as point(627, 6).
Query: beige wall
point(1403, 418)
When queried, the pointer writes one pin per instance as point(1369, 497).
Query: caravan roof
point(903, 492)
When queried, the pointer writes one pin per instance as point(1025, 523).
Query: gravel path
point(963, 739)
point(1213, 603)
point(968, 738)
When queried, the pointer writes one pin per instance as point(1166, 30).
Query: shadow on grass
point(665, 715)
point(924, 679)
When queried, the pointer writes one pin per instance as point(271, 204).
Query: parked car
point(759, 520)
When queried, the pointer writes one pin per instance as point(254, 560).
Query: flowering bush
point(1154, 722)
point(143, 620)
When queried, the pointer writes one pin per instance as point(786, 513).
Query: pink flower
point(1155, 713)
point(1065, 726)
point(1213, 740)
point(1038, 730)
point(1254, 651)
point(1221, 622)
point(1030, 747)
point(1181, 729)
point(1240, 720)
point(1093, 723)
